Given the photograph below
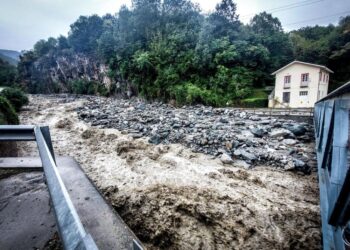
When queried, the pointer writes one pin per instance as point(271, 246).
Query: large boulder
point(245, 155)
point(296, 129)
point(258, 132)
point(290, 142)
point(285, 133)
point(226, 159)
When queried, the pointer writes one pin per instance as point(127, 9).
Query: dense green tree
point(84, 34)
point(325, 45)
point(62, 43)
point(8, 74)
point(42, 47)
point(267, 31)
point(169, 50)
point(16, 97)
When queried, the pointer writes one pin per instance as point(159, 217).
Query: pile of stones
point(236, 136)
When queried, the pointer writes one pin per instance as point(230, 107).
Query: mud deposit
point(176, 199)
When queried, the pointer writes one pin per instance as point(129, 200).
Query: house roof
point(304, 63)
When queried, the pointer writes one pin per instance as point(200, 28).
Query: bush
point(79, 87)
point(254, 103)
point(15, 96)
point(189, 93)
point(84, 87)
point(7, 112)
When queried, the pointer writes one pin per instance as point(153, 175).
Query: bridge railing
point(331, 122)
point(71, 230)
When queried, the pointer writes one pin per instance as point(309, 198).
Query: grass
point(257, 99)
point(258, 93)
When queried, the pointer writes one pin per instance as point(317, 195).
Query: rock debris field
point(235, 136)
point(191, 177)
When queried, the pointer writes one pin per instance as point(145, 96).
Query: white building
point(299, 85)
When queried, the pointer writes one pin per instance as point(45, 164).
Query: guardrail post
point(46, 133)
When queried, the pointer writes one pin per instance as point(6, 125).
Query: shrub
point(254, 103)
point(190, 93)
point(84, 87)
point(7, 112)
point(16, 97)
point(102, 90)
point(79, 87)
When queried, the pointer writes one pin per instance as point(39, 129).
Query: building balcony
point(286, 86)
point(304, 84)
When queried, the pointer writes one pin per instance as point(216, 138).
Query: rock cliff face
point(55, 73)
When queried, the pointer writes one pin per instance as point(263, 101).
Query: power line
point(286, 7)
point(317, 18)
point(292, 5)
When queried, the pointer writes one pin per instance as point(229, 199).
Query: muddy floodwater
point(173, 198)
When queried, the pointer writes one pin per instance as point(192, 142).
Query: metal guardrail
point(71, 230)
point(302, 112)
point(332, 129)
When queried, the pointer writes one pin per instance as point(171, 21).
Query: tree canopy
point(170, 50)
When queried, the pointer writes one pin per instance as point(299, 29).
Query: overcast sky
point(23, 22)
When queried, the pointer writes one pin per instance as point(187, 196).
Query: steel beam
point(17, 133)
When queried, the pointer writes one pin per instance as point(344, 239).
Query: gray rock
point(277, 125)
point(243, 115)
point(289, 142)
point(296, 129)
point(155, 139)
point(265, 122)
point(136, 135)
point(258, 132)
point(226, 159)
point(289, 166)
point(239, 123)
point(280, 133)
point(241, 164)
point(255, 118)
point(223, 120)
point(299, 163)
point(245, 155)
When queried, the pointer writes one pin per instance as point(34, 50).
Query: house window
point(304, 80)
point(324, 77)
point(303, 93)
point(305, 77)
point(327, 78)
point(286, 97)
point(287, 79)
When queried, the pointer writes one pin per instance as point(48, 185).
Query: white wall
point(297, 101)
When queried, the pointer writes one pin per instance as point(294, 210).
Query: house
point(299, 85)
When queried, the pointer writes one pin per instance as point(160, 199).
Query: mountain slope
point(10, 56)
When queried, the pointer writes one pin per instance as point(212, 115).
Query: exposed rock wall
point(55, 73)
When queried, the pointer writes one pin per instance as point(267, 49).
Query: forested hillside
point(169, 50)
point(10, 56)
